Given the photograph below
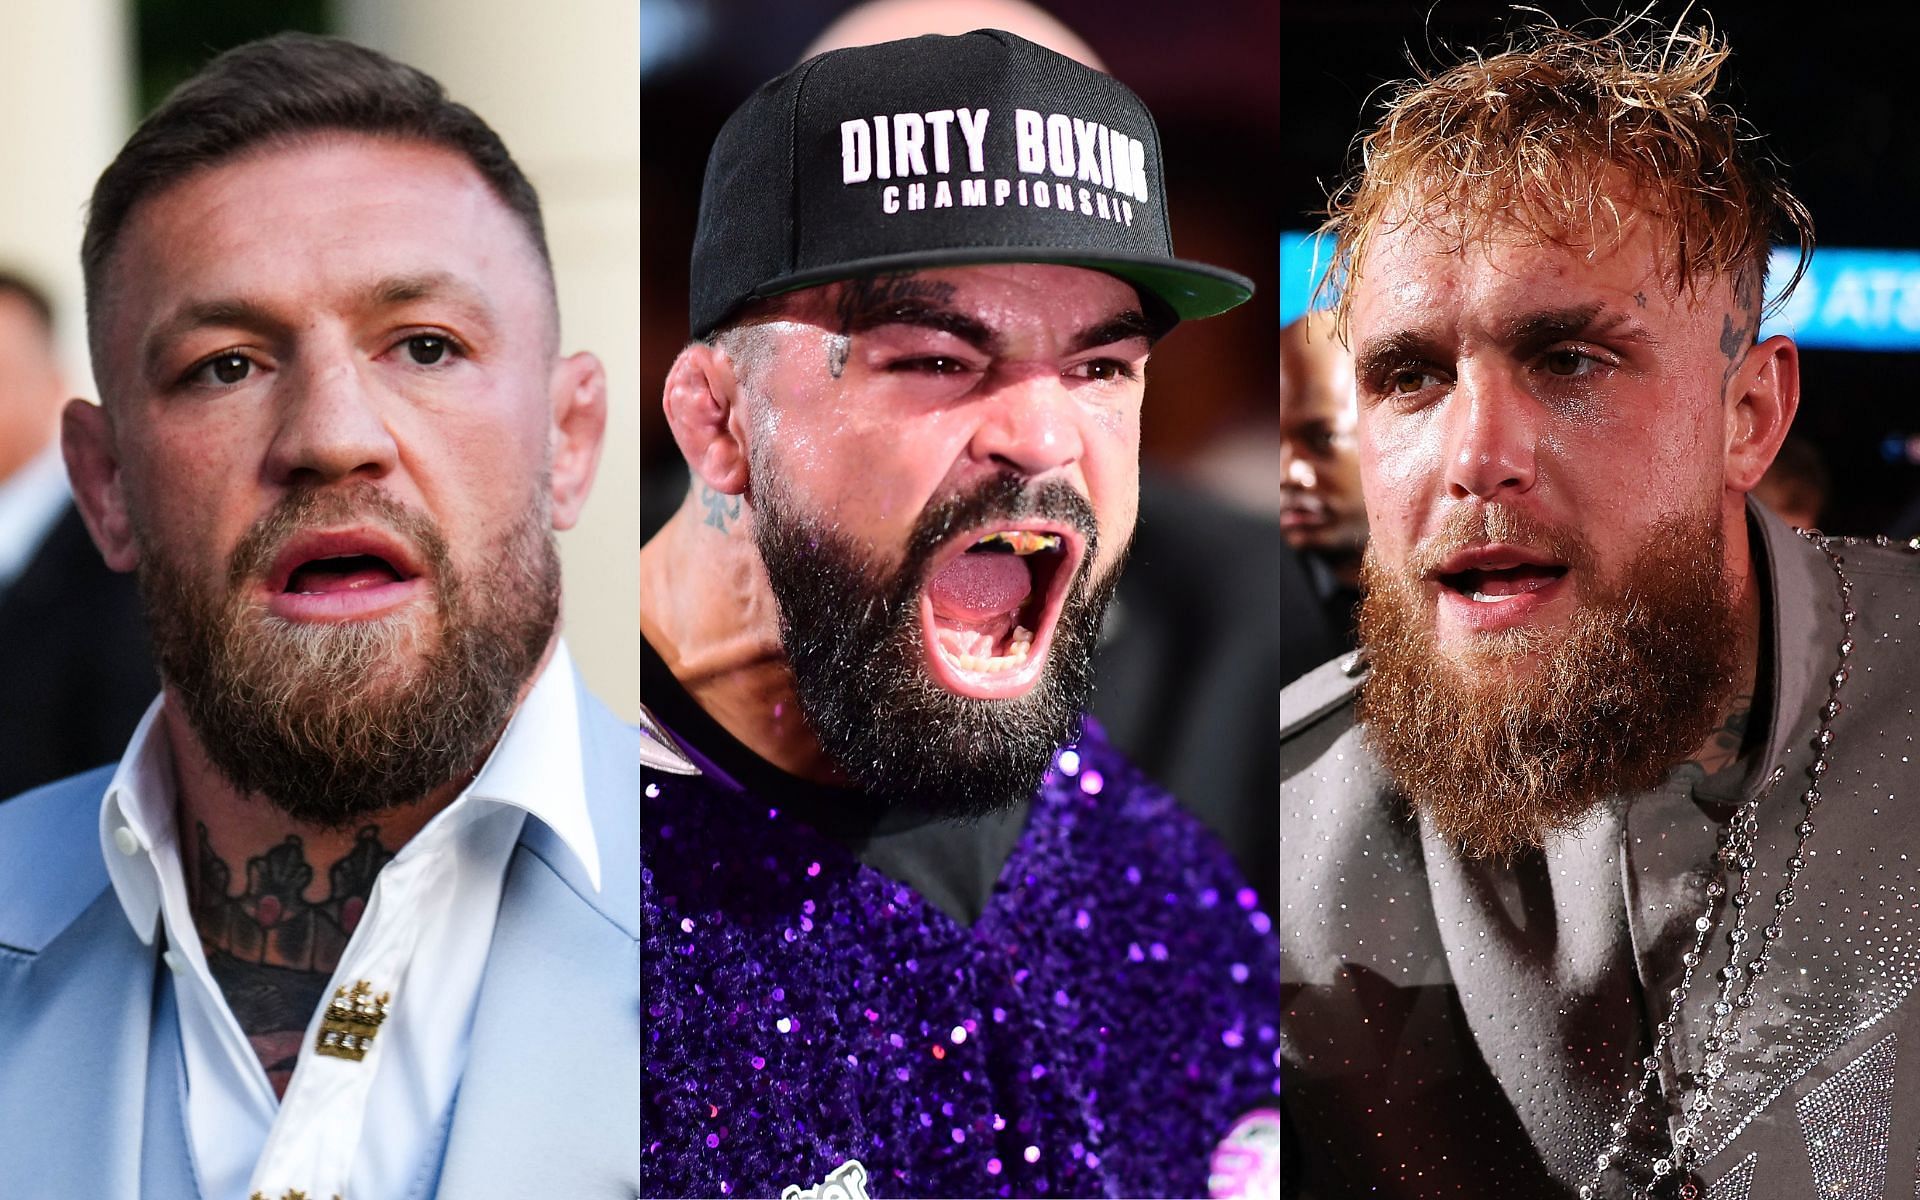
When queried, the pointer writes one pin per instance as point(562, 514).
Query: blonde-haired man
point(1587, 893)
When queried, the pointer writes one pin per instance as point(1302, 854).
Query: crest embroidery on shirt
point(352, 1019)
point(848, 1181)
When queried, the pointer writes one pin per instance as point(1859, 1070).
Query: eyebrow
point(404, 289)
point(226, 312)
point(1122, 327)
point(1525, 330)
point(1581, 320)
point(923, 315)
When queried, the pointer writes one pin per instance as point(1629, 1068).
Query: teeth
point(971, 650)
point(1483, 598)
point(1020, 541)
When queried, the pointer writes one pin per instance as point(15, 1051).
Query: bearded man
point(1596, 880)
point(357, 886)
point(908, 930)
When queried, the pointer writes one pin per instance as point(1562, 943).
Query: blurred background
point(1831, 90)
point(76, 75)
point(1188, 666)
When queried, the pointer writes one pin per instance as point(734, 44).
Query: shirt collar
point(136, 821)
point(1804, 627)
point(536, 767)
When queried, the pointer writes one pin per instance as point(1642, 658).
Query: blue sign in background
point(1850, 299)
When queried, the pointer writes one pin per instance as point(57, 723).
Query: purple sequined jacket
point(1097, 1032)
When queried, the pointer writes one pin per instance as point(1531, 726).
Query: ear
point(702, 405)
point(93, 468)
point(579, 393)
point(1763, 396)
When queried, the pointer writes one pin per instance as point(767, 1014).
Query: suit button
point(127, 840)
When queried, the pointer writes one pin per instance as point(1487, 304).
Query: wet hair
point(1566, 135)
point(276, 92)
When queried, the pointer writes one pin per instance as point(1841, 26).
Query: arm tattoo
point(271, 950)
point(721, 508)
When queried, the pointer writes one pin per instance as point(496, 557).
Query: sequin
point(1847, 1122)
point(1075, 1040)
point(1736, 1184)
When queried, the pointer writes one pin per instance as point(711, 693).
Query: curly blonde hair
point(1567, 136)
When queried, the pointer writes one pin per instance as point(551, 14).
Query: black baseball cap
point(939, 151)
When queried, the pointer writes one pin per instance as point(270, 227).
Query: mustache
point(362, 502)
point(1467, 527)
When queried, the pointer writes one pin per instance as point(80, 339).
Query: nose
point(1031, 425)
point(1492, 432)
point(1295, 469)
point(331, 426)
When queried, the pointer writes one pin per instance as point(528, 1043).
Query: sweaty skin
point(870, 419)
point(1580, 386)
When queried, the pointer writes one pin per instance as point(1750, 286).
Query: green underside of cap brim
point(1192, 290)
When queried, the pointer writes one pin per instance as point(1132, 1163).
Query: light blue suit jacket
point(92, 1089)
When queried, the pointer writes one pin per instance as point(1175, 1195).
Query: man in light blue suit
point(356, 913)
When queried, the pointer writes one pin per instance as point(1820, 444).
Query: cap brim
point(1192, 290)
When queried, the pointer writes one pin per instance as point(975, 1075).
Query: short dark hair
point(29, 293)
point(278, 90)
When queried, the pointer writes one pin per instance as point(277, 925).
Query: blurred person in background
point(1323, 514)
point(75, 668)
point(1796, 486)
point(908, 782)
point(363, 879)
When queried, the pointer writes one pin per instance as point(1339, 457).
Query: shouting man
point(1596, 880)
point(362, 882)
point(908, 929)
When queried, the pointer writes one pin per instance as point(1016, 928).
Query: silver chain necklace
point(1734, 995)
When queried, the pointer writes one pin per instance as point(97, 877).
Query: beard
point(1499, 759)
point(851, 632)
point(331, 722)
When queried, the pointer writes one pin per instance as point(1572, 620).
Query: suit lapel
point(94, 1046)
point(549, 1102)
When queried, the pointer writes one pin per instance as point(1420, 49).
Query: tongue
point(978, 587)
point(340, 575)
point(1512, 581)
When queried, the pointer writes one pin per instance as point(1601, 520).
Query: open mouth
point(990, 604)
point(341, 573)
point(1496, 587)
point(1493, 583)
point(338, 576)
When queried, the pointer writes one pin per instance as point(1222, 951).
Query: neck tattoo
point(1673, 1174)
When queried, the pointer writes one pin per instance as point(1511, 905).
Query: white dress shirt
point(369, 1129)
